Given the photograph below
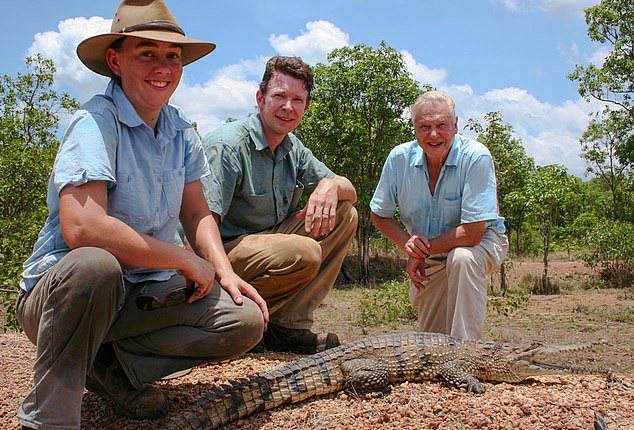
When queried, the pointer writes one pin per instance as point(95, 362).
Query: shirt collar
point(169, 122)
point(259, 138)
point(257, 132)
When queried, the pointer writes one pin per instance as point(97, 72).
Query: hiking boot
point(108, 379)
point(300, 341)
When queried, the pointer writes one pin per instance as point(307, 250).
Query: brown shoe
point(108, 379)
point(300, 341)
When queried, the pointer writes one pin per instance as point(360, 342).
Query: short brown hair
point(292, 66)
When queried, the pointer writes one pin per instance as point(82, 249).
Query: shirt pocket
point(451, 213)
point(133, 201)
point(173, 184)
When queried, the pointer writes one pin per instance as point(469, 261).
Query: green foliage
point(611, 23)
point(389, 304)
point(359, 109)
point(29, 111)
point(600, 147)
point(549, 193)
point(512, 168)
point(610, 248)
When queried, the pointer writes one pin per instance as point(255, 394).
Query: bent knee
point(461, 256)
point(96, 273)
point(248, 328)
point(304, 251)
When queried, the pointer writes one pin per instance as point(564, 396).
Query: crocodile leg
point(366, 375)
point(454, 374)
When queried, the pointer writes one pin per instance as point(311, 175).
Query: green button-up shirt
point(250, 187)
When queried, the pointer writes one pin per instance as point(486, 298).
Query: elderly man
point(445, 189)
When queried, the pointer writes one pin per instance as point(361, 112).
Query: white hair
point(431, 97)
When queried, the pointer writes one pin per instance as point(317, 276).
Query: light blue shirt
point(466, 190)
point(108, 141)
point(251, 188)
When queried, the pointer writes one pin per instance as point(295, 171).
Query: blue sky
point(510, 56)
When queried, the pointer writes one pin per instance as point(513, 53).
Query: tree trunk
point(366, 226)
point(547, 231)
point(503, 280)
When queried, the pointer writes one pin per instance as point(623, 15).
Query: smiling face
point(282, 107)
point(435, 129)
point(149, 71)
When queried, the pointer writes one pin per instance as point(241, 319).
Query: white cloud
point(60, 46)
point(560, 8)
point(512, 5)
point(574, 8)
point(549, 133)
point(422, 73)
point(312, 45)
point(598, 56)
point(229, 93)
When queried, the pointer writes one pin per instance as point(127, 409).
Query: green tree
point(359, 112)
point(512, 168)
point(599, 146)
point(610, 248)
point(547, 191)
point(29, 110)
point(612, 23)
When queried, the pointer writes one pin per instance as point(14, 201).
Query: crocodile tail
point(239, 398)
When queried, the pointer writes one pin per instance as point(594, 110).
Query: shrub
point(389, 304)
point(611, 250)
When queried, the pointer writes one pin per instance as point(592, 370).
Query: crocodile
point(373, 363)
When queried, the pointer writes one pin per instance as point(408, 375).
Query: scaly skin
point(372, 364)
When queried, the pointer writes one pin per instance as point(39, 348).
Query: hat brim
point(92, 51)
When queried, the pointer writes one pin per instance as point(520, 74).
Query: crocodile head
point(504, 362)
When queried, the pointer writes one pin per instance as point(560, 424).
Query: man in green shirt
point(259, 171)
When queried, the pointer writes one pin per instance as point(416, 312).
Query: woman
point(109, 297)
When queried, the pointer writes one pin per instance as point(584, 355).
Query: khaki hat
point(145, 19)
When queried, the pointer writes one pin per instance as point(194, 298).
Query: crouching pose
point(259, 171)
point(445, 189)
point(108, 296)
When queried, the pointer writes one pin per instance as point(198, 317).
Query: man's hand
point(201, 274)
point(320, 213)
point(418, 246)
point(237, 287)
point(416, 271)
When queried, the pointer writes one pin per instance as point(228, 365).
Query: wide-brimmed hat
point(146, 19)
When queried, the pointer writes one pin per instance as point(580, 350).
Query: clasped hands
point(418, 248)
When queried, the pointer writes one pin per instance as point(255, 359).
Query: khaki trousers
point(292, 271)
point(454, 299)
point(83, 302)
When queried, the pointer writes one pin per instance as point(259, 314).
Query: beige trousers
point(292, 271)
point(455, 297)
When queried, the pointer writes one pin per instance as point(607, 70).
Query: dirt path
point(553, 402)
